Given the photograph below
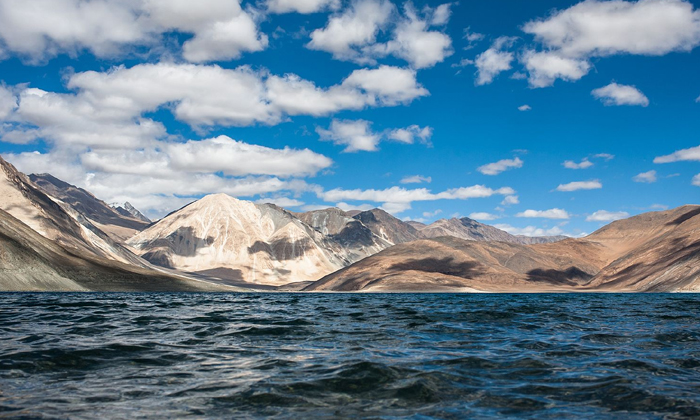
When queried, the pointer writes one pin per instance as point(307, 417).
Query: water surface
point(384, 356)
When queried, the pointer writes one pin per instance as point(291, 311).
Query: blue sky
point(317, 103)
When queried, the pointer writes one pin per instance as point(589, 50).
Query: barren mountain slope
point(31, 262)
point(261, 244)
point(651, 252)
point(388, 227)
point(118, 226)
point(466, 228)
point(452, 264)
point(55, 219)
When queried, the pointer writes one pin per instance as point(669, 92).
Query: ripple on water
point(364, 356)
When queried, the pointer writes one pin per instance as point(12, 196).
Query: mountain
point(57, 220)
point(240, 241)
point(468, 229)
point(127, 210)
point(118, 226)
point(388, 227)
point(651, 252)
point(31, 262)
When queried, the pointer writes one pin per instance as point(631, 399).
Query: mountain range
point(56, 236)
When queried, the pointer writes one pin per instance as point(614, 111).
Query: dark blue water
point(363, 356)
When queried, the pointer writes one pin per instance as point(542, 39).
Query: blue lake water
point(383, 356)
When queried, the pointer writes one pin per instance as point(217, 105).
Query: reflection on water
point(336, 355)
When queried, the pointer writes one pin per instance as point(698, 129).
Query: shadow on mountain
point(682, 218)
point(283, 249)
point(183, 242)
point(571, 276)
point(446, 266)
point(354, 234)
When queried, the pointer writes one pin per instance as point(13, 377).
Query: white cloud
point(614, 94)
point(301, 6)
point(496, 168)
point(524, 108)
point(570, 164)
point(416, 179)
point(415, 43)
point(281, 201)
point(607, 216)
point(352, 34)
point(387, 85)
point(8, 102)
point(223, 154)
point(493, 61)
point(347, 207)
point(580, 185)
point(647, 177)
point(692, 153)
point(602, 28)
point(546, 67)
point(696, 180)
point(483, 216)
point(411, 134)
point(40, 29)
point(398, 199)
point(357, 135)
point(530, 230)
point(356, 26)
point(510, 200)
point(430, 214)
point(545, 214)
point(107, 108)
point(606, 156)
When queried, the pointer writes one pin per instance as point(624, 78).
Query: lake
point(383, 356)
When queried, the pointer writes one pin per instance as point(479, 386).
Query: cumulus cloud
point(411, 134)
point(692, 153)
point(8, 102)
point(353, 28)
point(398, 199)
point(607, 216)
point(546, 67)
point(570, 164)
point(545, 214)
point(493, 61)
point(146, 178)
point(358, 135)
point(524, 107)
point(580, 185)
point(530, 230)
point(301, 6)
point(107, 108)
point(220, 29)
point(606, 156)
point(696, 180)
point(602, 28)
point(614, 94)
point(483, 216)
point(510, 200)
point(416, 179)
point(352, 34)
point(496, 168)
point(646, 177)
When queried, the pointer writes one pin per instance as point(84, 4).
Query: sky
point(541, 118)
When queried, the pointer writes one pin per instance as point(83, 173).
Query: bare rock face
point(471, 230)
point(388, 227)
point(127, 210)
point(57, 220)
point(32, 262)
point(256, 243)
point(651, 252)
point(117, 225)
